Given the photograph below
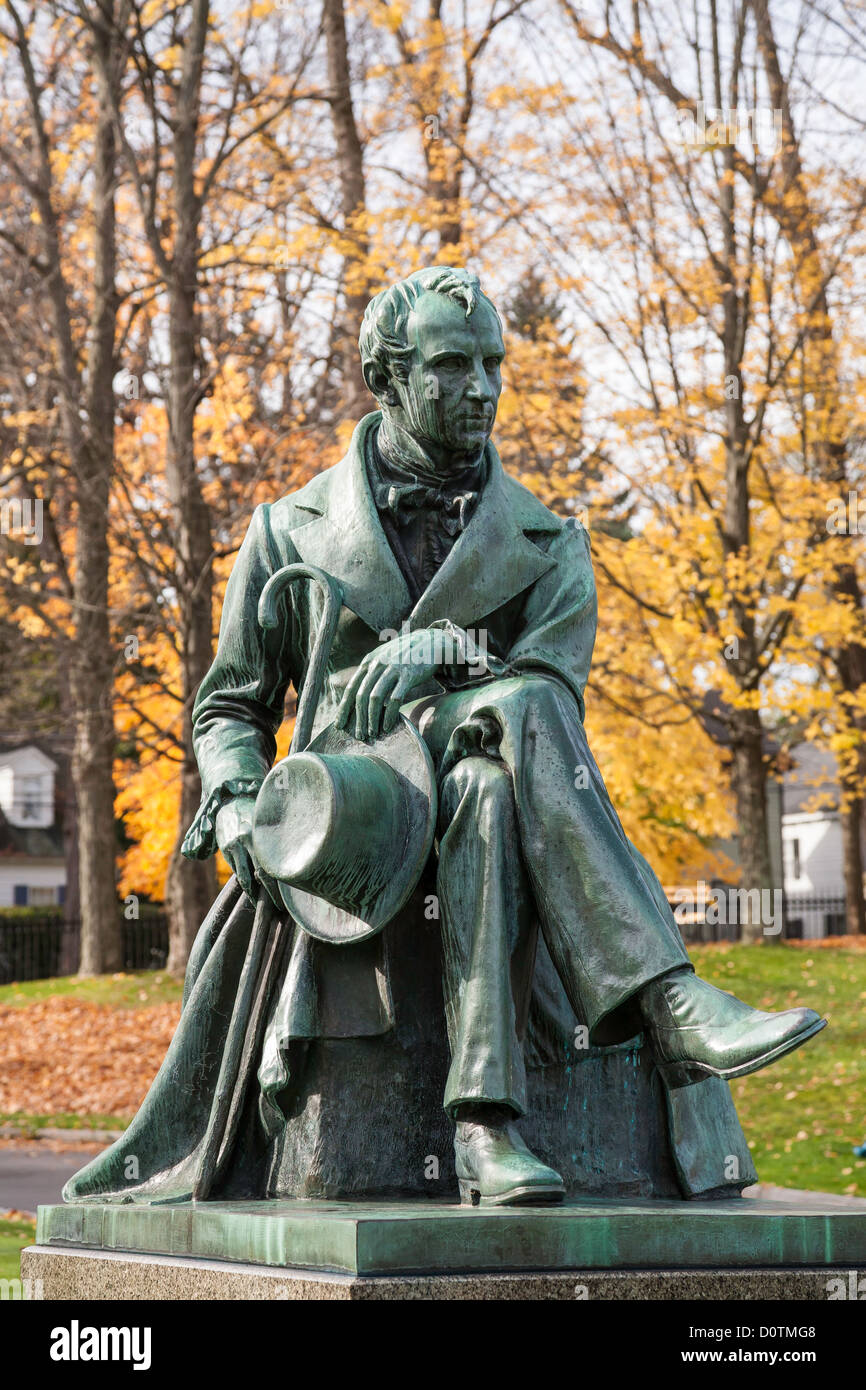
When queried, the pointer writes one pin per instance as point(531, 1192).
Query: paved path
point(29, 1175)
point(796, 1194)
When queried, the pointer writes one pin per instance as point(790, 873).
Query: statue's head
point(431, 351)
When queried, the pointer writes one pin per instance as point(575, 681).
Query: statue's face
point(450, 396)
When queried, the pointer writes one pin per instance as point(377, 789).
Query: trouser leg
point(602, 910)
point(488, 933)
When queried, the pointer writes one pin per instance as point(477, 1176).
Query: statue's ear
point(379, 384)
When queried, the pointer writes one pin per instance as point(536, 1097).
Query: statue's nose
point(478, 387)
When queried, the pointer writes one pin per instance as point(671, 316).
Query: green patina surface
point(384, 1238)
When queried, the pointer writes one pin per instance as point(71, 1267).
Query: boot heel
point(469, 1195)
point(677, 1075)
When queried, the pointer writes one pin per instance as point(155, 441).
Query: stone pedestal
point(594, 1248)
point(89, 1276)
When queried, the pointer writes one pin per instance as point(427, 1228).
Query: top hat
point(345, 828)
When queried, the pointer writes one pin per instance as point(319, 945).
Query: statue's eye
point(451, 364)
point(492, 364)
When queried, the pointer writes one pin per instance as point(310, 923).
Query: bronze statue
point(438, 622)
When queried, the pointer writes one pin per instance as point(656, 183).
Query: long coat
point(519, 574)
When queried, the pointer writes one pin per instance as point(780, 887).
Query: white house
point(32, 860)
point(812, 844)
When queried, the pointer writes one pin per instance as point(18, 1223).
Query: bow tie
point(403, 499)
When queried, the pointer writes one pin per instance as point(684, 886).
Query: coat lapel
point(492, 560)
point(345, 538)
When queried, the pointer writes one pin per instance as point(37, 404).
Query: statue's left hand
point(387, 676)
point(234, 834)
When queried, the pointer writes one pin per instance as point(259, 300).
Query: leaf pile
point(66, 1054)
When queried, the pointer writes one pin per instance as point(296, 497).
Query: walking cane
point(269, 923)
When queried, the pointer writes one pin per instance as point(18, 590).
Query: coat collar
point(491, 561)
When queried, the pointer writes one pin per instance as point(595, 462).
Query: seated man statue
point(428, 537)
point(459, 616)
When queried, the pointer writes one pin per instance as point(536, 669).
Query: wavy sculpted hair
point(383, 341)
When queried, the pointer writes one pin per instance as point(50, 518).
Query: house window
point(795, 858)
point(41, 897)
point(30, 797)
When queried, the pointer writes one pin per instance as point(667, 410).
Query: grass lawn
point(132, 991)
point(803, 1116)
point(14, 1235)
point(30, 1123)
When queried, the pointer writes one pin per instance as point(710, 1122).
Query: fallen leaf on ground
point(64, 1055)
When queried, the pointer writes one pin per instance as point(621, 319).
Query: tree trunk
point(190, 887)
point(91, 674)
point(67, 812)
point(852, 850)
point(749, 769)
point(750, 789)
point(850, 662)
point(350, 162)
point(68, 817)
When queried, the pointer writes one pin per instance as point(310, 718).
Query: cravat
point(402, 500)
point(422, 517)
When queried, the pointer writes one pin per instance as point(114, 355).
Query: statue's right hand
point(234, 834)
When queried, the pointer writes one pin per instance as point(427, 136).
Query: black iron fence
point(814, 915)
point(696, 930)
point(801, 917)
point(37, 947)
